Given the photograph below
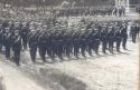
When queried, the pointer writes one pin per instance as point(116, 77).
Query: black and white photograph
point(69, 44)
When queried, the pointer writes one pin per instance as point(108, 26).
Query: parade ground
point(105, 72)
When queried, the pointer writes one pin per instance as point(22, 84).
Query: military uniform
point(24, 32)
point(118, 39)
point(124, 37)
point(33, 44)
point(104, 38)
point(7, 43)
point(16, 47)
point(42, 46)
point(111, 39)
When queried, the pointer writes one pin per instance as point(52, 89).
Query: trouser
point(42, 53)
point(118, 43)
point(60, 50)
point(76, 49)
point(0, 46)
point(50, 52)
point(96, 46)
point(91, 46)
point(7, 52)
point(25, 43)
point(104, 46)
point(111, 46)
point(17, 57)
point(68, 49)
point(124, 42)
point(134, 36)
point(83, 48)
point(33, 52)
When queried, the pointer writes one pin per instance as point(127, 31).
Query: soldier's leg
point(104, 47)
point(68, 50)
point(124, 43)
point(89, 48)
point(118, 45)
point(7, 52)
point(42, 53)
point(64, 49)
point(25, 43)
point(74, 49)
point(17, 57)
point(50, 52)
point(33, 54)
point(83, 48)
point(134, 38)
point(0, 46)
point(92, 47)
point(111, 46)
point(96, 47)
point(60, 52)
point(53, 51)
point(76, 52)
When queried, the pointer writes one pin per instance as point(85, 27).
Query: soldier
point(76, 43)
point(97, 38)
point(3, 31)
point(124, 36)
point(90, 41)
point(59, 44)
point(42, 45)
point(134, 32)
point(68, 45)
point(51, 44)
point(16, 47)
point(111, 39)
point(104, 38)
point(118, 38)
point(7, 42)
point(33, 43)
point(83, 42)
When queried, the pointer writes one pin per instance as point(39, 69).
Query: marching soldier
point(97, 39)
point(135, 29)
point(111, 39)
point(67, 43)
point(7, 42)
point(76, 43)
point(104, 38)
point(83, 42)
point(124, 36)
point(90, 41)
point(16, 47)
point(118, 38)
point(33, 43)
point(42, 45)
point(24, 32)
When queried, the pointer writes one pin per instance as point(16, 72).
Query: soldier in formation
point(61, 41)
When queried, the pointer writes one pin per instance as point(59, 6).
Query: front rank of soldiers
point(60, 41)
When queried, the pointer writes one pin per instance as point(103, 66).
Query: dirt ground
point(104, 72)
point(107, 72)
